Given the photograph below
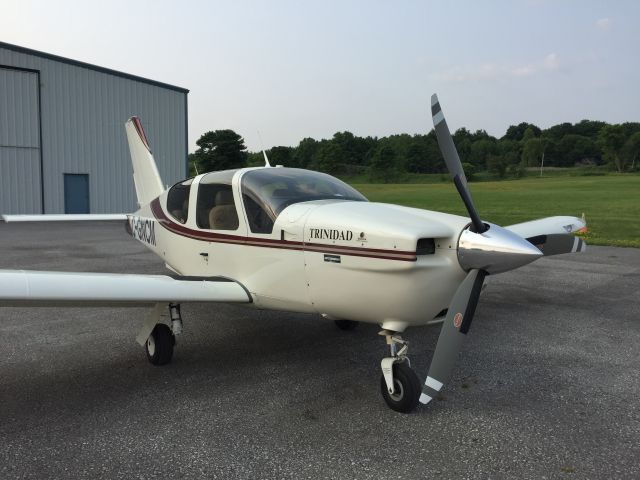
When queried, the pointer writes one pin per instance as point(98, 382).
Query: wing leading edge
point(35, 288)
point(548, 226)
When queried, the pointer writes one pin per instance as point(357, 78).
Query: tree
point(304, 153)
point(588, 128)
point(383, 164)
point(516, 132)
point(611, 139)
point(220, 150)
point(532, 152)
point(463, 139)
point(193, 166)
point(347, 143)
point(510, 150)
point(558, 131)
point(255, 159)
point(480, 152)
point(280, 156)
point(328, 157)
point(631, 150)
point(417, 159)
point(574, 149)
point(496, 165)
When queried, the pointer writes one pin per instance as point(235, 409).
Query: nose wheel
point(399, 384)
point(406, 388)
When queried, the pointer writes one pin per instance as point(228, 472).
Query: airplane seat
point(181, 214)
point(223, 216)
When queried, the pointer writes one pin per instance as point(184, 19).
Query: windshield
point(266, 192)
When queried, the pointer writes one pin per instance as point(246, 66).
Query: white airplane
point(302, 241)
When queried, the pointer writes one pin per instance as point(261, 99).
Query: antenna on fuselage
point(264, 153)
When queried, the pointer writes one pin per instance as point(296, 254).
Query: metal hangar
point(63, 147)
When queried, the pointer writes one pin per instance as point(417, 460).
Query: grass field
point(611, 203)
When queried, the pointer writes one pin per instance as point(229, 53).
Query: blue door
point(76, 193)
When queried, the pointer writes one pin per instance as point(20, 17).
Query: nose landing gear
point(399, 384)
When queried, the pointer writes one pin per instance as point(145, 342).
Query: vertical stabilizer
point(145, 172)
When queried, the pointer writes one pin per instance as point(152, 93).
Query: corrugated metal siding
point(83, 114)
point(18, 108)
point(20, 180)
point(19, 142)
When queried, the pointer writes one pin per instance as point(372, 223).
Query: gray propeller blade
point(454, 330)
point(557, 243)
point(453, 163)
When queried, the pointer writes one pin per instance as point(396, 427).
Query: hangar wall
point(59, 116)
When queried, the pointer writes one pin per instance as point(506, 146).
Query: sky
point(295, 69)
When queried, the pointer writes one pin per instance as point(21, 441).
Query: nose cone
point(495, 250)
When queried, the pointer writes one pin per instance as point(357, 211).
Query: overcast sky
point(294, 69)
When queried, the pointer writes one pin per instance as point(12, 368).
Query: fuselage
point(302, 241)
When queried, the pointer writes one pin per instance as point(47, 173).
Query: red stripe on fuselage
point(183, 231)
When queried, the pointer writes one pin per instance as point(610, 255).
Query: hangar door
point(20, 180)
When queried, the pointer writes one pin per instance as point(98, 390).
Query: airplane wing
point(67, 217)
point(553, 235)
point(34, 288)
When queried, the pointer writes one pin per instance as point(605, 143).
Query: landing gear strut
point(399, 384)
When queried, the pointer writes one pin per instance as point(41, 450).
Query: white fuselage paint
point(348, 260)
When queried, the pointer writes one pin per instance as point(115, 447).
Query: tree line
point(587, 142)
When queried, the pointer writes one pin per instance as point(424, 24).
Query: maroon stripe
point(181, 230)
point(141, 134)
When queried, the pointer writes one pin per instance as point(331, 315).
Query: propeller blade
point(454, 165)
point(557, 243)
point(454, 330)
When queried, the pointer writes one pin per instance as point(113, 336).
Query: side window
point(216, 209)
point(178, 200)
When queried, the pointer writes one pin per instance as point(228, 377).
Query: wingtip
point(434, 99)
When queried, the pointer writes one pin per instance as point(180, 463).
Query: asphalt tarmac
point(547, 386)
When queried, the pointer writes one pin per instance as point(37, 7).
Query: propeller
point(482, 249)
point(452, 160)
point(558, 243)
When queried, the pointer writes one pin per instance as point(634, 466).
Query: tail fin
point(145, 172)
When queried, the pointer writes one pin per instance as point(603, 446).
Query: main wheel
point(406, 386)
point(346, 324)
point(159, 345)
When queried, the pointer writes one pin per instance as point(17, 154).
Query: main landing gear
point(399, 384)
point(159, 345)
point(158, 337)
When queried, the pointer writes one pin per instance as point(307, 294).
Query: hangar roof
point(57, 58)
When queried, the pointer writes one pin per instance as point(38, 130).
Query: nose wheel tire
point(346, 324)
point(159, 345)
point(407, 389)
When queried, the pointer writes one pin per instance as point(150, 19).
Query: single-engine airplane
point(303, 241)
